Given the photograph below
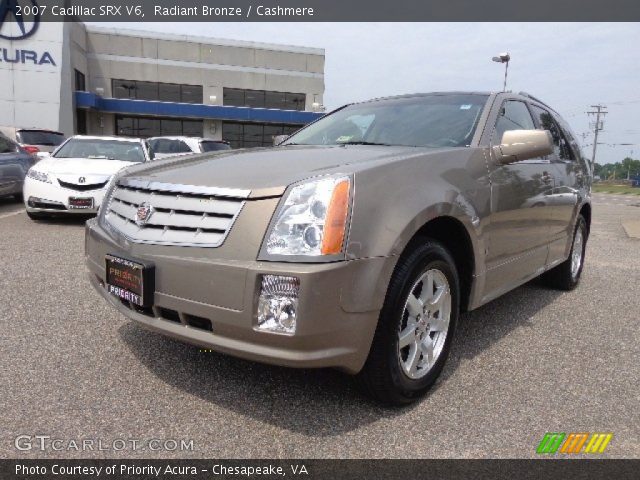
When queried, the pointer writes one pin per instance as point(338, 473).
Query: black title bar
point(327, 10)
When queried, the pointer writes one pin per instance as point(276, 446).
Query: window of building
point(80, 81)
point(129, 126)
point(264, 99)
point(249, 135)
point(163, 92)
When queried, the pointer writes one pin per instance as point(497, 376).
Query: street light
point(503, 58)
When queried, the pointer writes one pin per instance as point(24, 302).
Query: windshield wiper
point(365, 143)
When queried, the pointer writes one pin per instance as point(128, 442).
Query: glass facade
point(248, 135)
point(264, 99)
point(163, 92)
point(129, 126)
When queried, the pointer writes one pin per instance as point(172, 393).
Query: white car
point(74, 178)
point(175, 146)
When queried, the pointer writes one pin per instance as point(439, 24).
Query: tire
point(36, 216)
point(18, 197)
point(566, 276)
point(386, 375)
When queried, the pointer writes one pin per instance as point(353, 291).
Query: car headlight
point(37, 175)
point(312, 221)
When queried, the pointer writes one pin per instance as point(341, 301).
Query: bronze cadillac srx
point(357, 242)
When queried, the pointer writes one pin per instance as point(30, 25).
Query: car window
point(514, 115)
point(214, 146)
point(101, 149)
point(168, 145)
point(7, 146)
point(40, 137)
point(419, 121)
point(545, 120)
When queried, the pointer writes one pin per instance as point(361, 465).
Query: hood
point(268, 171)
point(81, 166)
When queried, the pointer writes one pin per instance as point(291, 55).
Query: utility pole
point(598, 126)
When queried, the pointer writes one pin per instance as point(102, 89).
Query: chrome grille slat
point(179, 218)
point(172, 201)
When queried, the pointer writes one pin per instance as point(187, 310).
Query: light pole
point(503, 58)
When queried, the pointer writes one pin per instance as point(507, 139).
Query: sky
point(569, 66)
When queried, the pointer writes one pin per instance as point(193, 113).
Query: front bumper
point(335, 319)
point(42, 197)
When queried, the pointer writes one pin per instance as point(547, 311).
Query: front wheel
point(415, 328)
point(566, 276)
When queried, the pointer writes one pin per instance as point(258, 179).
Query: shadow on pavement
point(316, 403)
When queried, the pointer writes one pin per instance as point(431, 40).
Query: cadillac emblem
point(143, 214)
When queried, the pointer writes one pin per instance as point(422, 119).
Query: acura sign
point(25, 15)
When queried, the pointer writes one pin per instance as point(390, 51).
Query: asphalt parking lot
point(533, 361)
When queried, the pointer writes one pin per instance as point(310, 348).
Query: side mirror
point(520, 145)
point(278, 139)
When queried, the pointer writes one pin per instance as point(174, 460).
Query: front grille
point(82, 188)
point(182, 215)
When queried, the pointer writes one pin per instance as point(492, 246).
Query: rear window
point(214, 146)
point(167, 145)
point(40, 137)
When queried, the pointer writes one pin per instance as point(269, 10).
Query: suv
point(355, 244)
point(35, 140)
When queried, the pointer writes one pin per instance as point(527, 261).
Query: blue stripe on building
point(188, 110)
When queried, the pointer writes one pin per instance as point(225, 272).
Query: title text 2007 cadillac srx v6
point(356, 243)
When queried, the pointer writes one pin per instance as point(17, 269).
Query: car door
point(568, 175)
point(11, 169)
point(520, 218)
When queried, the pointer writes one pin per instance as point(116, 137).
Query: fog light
point(278, 304)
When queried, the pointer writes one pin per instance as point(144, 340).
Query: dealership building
point(85, 79)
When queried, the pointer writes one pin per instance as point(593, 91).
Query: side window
point(6, 146)
point(514, 115)
point(545, 120)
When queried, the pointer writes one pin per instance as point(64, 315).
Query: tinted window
point(214, 146)
point(101, 150)
point(40, 137)
point(80, 81)
point(157, 127)
point(167, 145)
point(264, 99)
point(545, 120)
point(514, 115)
point(246, 135)
point(164, 92)
point(423, 121)
point(6, 146)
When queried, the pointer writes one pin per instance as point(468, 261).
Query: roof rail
point(528, 95)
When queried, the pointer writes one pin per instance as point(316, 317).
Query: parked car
point(75, 177)
point(34, 140)
point(171, 146)
point(355, 244)
point(14, 164)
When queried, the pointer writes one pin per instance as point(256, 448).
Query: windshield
point(208, 146)
point(421, 121)
point(40, 137)
point(127, 151)
point(169, 145)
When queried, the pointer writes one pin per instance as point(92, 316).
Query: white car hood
point(81, 166)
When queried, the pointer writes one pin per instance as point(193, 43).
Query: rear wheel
point(566, 276)
point(416, 326)
point(18, 197)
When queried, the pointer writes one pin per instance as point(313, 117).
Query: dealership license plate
point(130, 280)
point(81, 203)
